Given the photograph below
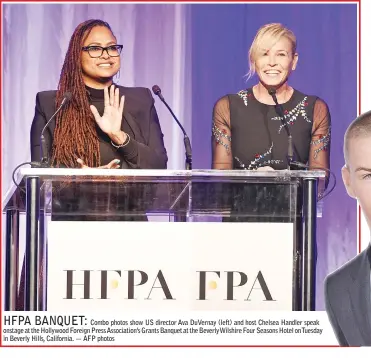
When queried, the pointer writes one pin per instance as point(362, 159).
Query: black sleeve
point(319, 151)
point(152, 155)
point(37, 126)
point(333, 321)
point(221, 135)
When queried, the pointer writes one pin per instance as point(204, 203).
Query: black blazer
point(145, 151)
point(348, 304)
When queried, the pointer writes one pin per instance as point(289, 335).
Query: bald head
point(359, 128)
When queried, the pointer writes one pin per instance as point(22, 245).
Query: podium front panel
point(241, 201)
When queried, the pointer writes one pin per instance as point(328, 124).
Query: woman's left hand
point(113, 164)
point(110, 122)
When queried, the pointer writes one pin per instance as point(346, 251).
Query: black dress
point(249, 134)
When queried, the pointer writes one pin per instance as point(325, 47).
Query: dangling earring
point(117, 76)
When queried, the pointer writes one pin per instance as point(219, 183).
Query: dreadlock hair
point(75, 134)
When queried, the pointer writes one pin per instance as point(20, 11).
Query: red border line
point(1, 175)
point(194, 1)
point(175, 346)
point(158, 1)
point(359, 111)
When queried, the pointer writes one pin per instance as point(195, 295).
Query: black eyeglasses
point(97, 51)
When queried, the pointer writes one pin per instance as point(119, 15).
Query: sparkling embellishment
point(217, 133)
point(242, 166)
point(324, 140)
point(255, 163)
point(271, 161)
point(292, 115)
point(243, 94)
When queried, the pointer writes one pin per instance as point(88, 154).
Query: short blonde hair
point(273, 31)
point(360, 127)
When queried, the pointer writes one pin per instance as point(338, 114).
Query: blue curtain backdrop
point(196, 53)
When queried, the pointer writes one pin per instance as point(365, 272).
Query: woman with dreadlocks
point(103, 125)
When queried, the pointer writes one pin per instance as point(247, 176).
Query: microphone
point(187, 144)
point(44, 155)
point(279, 110)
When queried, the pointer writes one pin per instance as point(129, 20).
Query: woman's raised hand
point(110, 121)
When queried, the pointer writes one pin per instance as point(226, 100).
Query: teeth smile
point(105, 65)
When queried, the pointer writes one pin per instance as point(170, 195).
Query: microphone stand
point(187, 143)
point(179, 217)
point(44, 154)
point(279, 110)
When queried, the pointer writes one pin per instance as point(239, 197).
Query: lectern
point(238, 196)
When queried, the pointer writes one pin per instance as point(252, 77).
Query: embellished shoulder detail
point(219, 134)
point(292, 115)
point(323, 142)
point(244, 95)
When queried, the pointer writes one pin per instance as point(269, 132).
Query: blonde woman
point(248, 130)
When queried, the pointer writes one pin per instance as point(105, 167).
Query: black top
point(146, 148)
point(107, 151)
point(249, 133)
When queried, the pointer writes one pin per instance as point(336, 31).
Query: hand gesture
point(110, 122)
point(114, 164)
